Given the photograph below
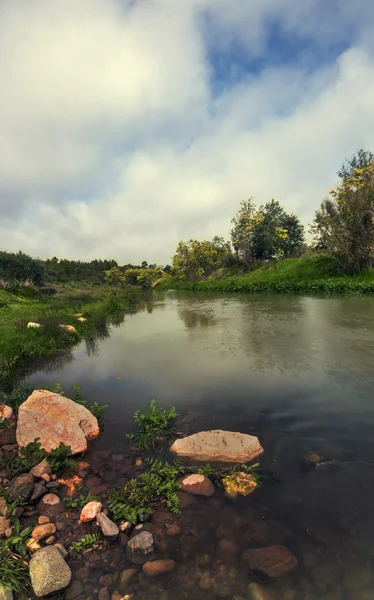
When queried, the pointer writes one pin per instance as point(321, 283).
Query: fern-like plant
point(85, 542)
point(155, 425)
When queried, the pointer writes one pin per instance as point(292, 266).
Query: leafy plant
point(79, 501)
point(137, 500)
point(14, 573)
point(97, 409)
point(4, 423)
point(155, 424)
point(85, 542)
point(32, 454)
point(60, 458)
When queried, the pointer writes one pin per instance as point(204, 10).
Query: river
point(296, 371)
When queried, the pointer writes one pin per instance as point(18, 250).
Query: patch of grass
point(85, 542)
point(304, 275)
point(155, 426)
point(14, 573)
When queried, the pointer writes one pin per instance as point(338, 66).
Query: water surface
point(298, 372)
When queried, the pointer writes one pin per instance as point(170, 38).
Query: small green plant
point(32, 454)
point(79, 501)
point(14, 573)
point(85, 542)
point(97, 409)
point(155, 424)
point(60, 458)
point(139, 498)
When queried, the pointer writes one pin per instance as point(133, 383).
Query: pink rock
point(54, 419)
point(197, 485)
point(41, 469)
point(220, 446)
point(6, 412)
point(90, 511)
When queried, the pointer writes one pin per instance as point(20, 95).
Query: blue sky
point(127, 126)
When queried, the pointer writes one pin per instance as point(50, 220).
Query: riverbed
point(296, 371)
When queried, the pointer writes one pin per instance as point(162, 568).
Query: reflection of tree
point(197, 318)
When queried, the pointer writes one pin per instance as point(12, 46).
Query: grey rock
point(140, 547)
point(6, 594)
point(62, 550)
point(38, 492)
point(108, 528)
point(48, 571)
point(22, 485)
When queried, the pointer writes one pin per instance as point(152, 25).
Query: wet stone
point(273, 561)
point(75, 590)
point(158, 567)
point(108, 528)
point(139, 547)
point(22, 485)
point(127, 576)
point(38, 492)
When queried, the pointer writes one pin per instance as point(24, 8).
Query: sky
point(128, 125)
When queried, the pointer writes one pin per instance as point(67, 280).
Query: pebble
point(38, 491)
point(90, 511)
point(22, 485)
point(108, 528)
point(41, 469)
point(42, 531)
point(256, 592)
point(76, 589)
point(43, 520)
point(139, 547)
point(158, 567)
point(128, 575)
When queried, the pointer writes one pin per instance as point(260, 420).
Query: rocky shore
point(215, 548)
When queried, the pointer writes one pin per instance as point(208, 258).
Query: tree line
point(343, 228)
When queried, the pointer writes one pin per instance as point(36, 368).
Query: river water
point(296, 371)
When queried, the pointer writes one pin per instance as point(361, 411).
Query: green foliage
point(33, 454)
point(4, 423)
point(155, 425)
point(194, 259)
point(85, 542)
point(19, 269)
point(97, 409)
point(79, 501)
point(14, 574)
point(150, 489)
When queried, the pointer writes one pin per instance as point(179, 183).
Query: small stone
point(62, 550)
point(45, 477)
point(18, 512)
point(22, 485)
point(206, 582)
point(104, 594)
point(83, 574)
point(90, 511)
point(32, 545)
point(50, 540)
point(42, 531)
point(50, 505)
point(256, 592)
point(6, 594)
point(6, 412)
point(48, 571)
point(43, 520)
point(274, 561)
point(227, 550)
point(4, 525)
point(173, 530)
point(75, 590)
point(158, 567)
point(38, 492)
point(52, 485)
point(3, 507)
point(125, 526)
point(41, 469)
point(108, 528)
point(127, 575)
point(197, 485)
point(140, 546)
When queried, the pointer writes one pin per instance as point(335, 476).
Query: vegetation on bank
point(22, 348)
point(304, 275)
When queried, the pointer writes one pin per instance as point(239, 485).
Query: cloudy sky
point(127, 125)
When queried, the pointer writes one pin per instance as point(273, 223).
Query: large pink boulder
point(220, 446)
point(53, 419)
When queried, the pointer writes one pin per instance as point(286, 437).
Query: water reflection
point(296, 371)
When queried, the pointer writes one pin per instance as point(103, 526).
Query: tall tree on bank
point(194, 259)
point(265, 233)
point(344, 224)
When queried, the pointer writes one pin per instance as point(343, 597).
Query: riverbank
point(88, 313)
point(305, 275)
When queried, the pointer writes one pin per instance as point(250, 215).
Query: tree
point(360, 160)
point(344, 225)
point(19, 268)
point(194, 259)
point(266, 233)
point(242, 231)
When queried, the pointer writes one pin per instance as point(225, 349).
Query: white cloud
point(113, 145)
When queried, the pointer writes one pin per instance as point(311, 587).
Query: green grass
point(305, 275)
point(23, 349)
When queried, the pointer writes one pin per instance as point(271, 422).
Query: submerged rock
point(273, 561)
point(48, 571)
point(54, 419)
point(256, 592)
point(220, 446)
point(239, 483)
point(197, 485)
point(50, 505)
point(140, 547)
point(158, 567)
point(108, 528)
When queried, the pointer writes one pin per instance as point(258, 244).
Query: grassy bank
point(23, 348)
point(305, 275)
